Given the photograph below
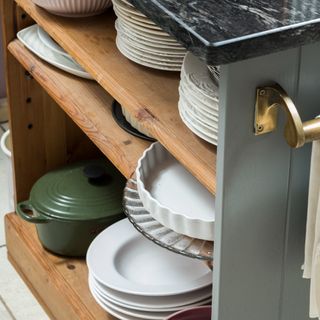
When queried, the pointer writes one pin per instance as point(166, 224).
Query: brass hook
point(268, 101)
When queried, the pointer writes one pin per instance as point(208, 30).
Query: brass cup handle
point(268, 100)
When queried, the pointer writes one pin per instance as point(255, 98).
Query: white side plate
point(30, 38)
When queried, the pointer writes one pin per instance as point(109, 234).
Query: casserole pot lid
point(83, 191)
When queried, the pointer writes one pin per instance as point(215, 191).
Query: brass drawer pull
point(268, 101)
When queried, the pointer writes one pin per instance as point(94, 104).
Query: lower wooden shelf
point(59, 284)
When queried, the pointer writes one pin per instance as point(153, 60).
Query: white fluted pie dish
point(173, 196)
point(74, 8)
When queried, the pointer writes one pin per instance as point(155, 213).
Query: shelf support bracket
point(268, 100)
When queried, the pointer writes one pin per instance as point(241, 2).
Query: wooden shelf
point(150, 95)
point(60, 284)
point(88, 105)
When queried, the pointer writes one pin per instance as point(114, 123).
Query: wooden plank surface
point(89, 106)
point(60, 282)
point(151, 96)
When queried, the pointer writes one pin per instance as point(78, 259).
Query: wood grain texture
point(88, 105)
point(151, 96)
point(60, 282)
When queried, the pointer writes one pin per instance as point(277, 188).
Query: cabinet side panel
point(253, 177)
point(295, 288)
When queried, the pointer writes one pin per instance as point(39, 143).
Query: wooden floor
point(60, 282)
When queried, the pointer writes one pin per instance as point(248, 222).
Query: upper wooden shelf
point(150, 95)
point(89, 106)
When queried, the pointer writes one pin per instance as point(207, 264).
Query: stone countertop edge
point(238, 48)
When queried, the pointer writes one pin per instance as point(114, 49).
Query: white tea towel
point(312, 244)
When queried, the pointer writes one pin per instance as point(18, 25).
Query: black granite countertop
point(223, 31)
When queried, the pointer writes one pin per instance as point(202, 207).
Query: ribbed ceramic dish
point(74, 8)
point(159, 234)
point(135, 124)
point(173, 196)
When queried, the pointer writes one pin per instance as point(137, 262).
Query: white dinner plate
point(30, 38)
point(145, 24)
point(128, 7)
point(210, 131)
point(143, 61)
point(117, 314)
point(151, 41)
point(151, 57)
point(152, 50)
point(195, 115)
point(209, 106)
point(198, 76)
point(159, 33)
point(123, 260)
point(195, 130)
point(204, 128)
point(148, 315)
point(197, 106)
point(147, 303)
point(50, 43)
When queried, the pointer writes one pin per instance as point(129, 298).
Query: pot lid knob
point(96, 174)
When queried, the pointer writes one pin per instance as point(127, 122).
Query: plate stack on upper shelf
point(132, 278)
point(199, 98)
point(142, 41)
point(42, 45)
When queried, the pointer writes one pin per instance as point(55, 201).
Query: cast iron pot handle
point(26, 205)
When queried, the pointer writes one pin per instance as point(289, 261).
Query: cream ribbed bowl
point(173, 196)
point(74, 8)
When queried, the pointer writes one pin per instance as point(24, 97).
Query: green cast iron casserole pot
point(70, 206)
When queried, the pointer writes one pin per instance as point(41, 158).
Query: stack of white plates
point(199, 99)
point(142, 41)
point(133, 278)
point(42, 45)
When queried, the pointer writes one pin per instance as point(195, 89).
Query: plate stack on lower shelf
point(132, 278)
point(142, 41)
point(199, 98)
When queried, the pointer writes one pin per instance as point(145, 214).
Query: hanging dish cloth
point(312, 244)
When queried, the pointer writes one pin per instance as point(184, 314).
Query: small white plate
point(30, 38)
point(146, 303)
point(123, 260)
point(50, 43)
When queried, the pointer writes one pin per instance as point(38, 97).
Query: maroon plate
point(197, 313)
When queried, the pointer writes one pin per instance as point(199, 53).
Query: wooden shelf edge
point(88, 105)
point(62, 290)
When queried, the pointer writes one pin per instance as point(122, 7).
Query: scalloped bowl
point(74, 8)
point(197, 313)
point(173, 196)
